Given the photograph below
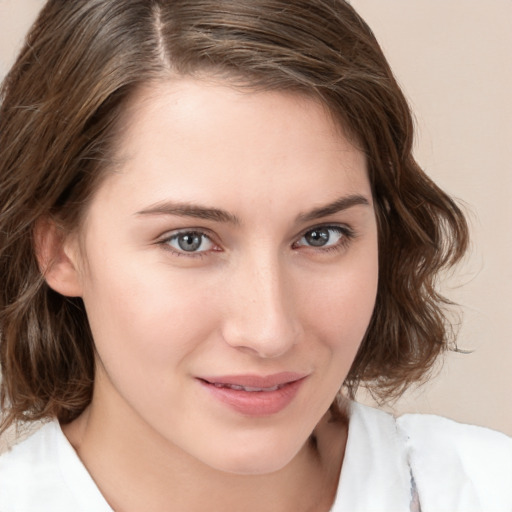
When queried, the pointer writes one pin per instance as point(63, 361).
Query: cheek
point(341, 304)
point(138, 316)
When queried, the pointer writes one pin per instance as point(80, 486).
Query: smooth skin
point(235, 235)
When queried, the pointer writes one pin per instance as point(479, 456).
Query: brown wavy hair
point(61, 113)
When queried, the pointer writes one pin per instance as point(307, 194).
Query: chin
point(256, 460)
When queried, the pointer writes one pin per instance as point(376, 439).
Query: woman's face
point(229, 271)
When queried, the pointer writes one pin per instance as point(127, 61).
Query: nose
point(261, 316)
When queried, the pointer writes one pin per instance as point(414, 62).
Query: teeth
point(261, 389)
point(249, 389)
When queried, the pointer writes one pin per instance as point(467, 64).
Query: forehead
point(207, 141)
point(232, 100)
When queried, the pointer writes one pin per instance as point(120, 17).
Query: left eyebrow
point(190, 210)
point(340, 204)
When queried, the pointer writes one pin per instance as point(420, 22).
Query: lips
point(254, 395)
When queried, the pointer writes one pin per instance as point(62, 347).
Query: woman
point(211, 223)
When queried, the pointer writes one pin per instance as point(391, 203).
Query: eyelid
point(164, 239)
point(192, 229)
point(347, 234)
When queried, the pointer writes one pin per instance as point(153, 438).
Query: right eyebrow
point(340, 204)
point(190, 210)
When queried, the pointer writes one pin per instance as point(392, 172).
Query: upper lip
point(255, 381)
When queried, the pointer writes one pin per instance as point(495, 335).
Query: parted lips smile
point(255, 395)
point(252, 382)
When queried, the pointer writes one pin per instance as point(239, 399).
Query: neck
point(136, 469)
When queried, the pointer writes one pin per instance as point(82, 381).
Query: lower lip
point(256, 403)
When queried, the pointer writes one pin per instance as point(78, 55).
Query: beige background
point(453, 59)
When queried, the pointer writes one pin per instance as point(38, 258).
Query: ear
point(57, 257)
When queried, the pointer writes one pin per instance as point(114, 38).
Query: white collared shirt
point(454, 467)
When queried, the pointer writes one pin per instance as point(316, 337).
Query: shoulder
point(34, 457)
point(375, 473)
point(468, 447)
point(29, 473)
point(458, 466)
point(43, 473)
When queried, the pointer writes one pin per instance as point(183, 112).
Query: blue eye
point(190, 241)
point(324, 237)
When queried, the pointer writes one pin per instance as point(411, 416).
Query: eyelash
point(165, 242)
point(346, 236)
point(346, 233)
